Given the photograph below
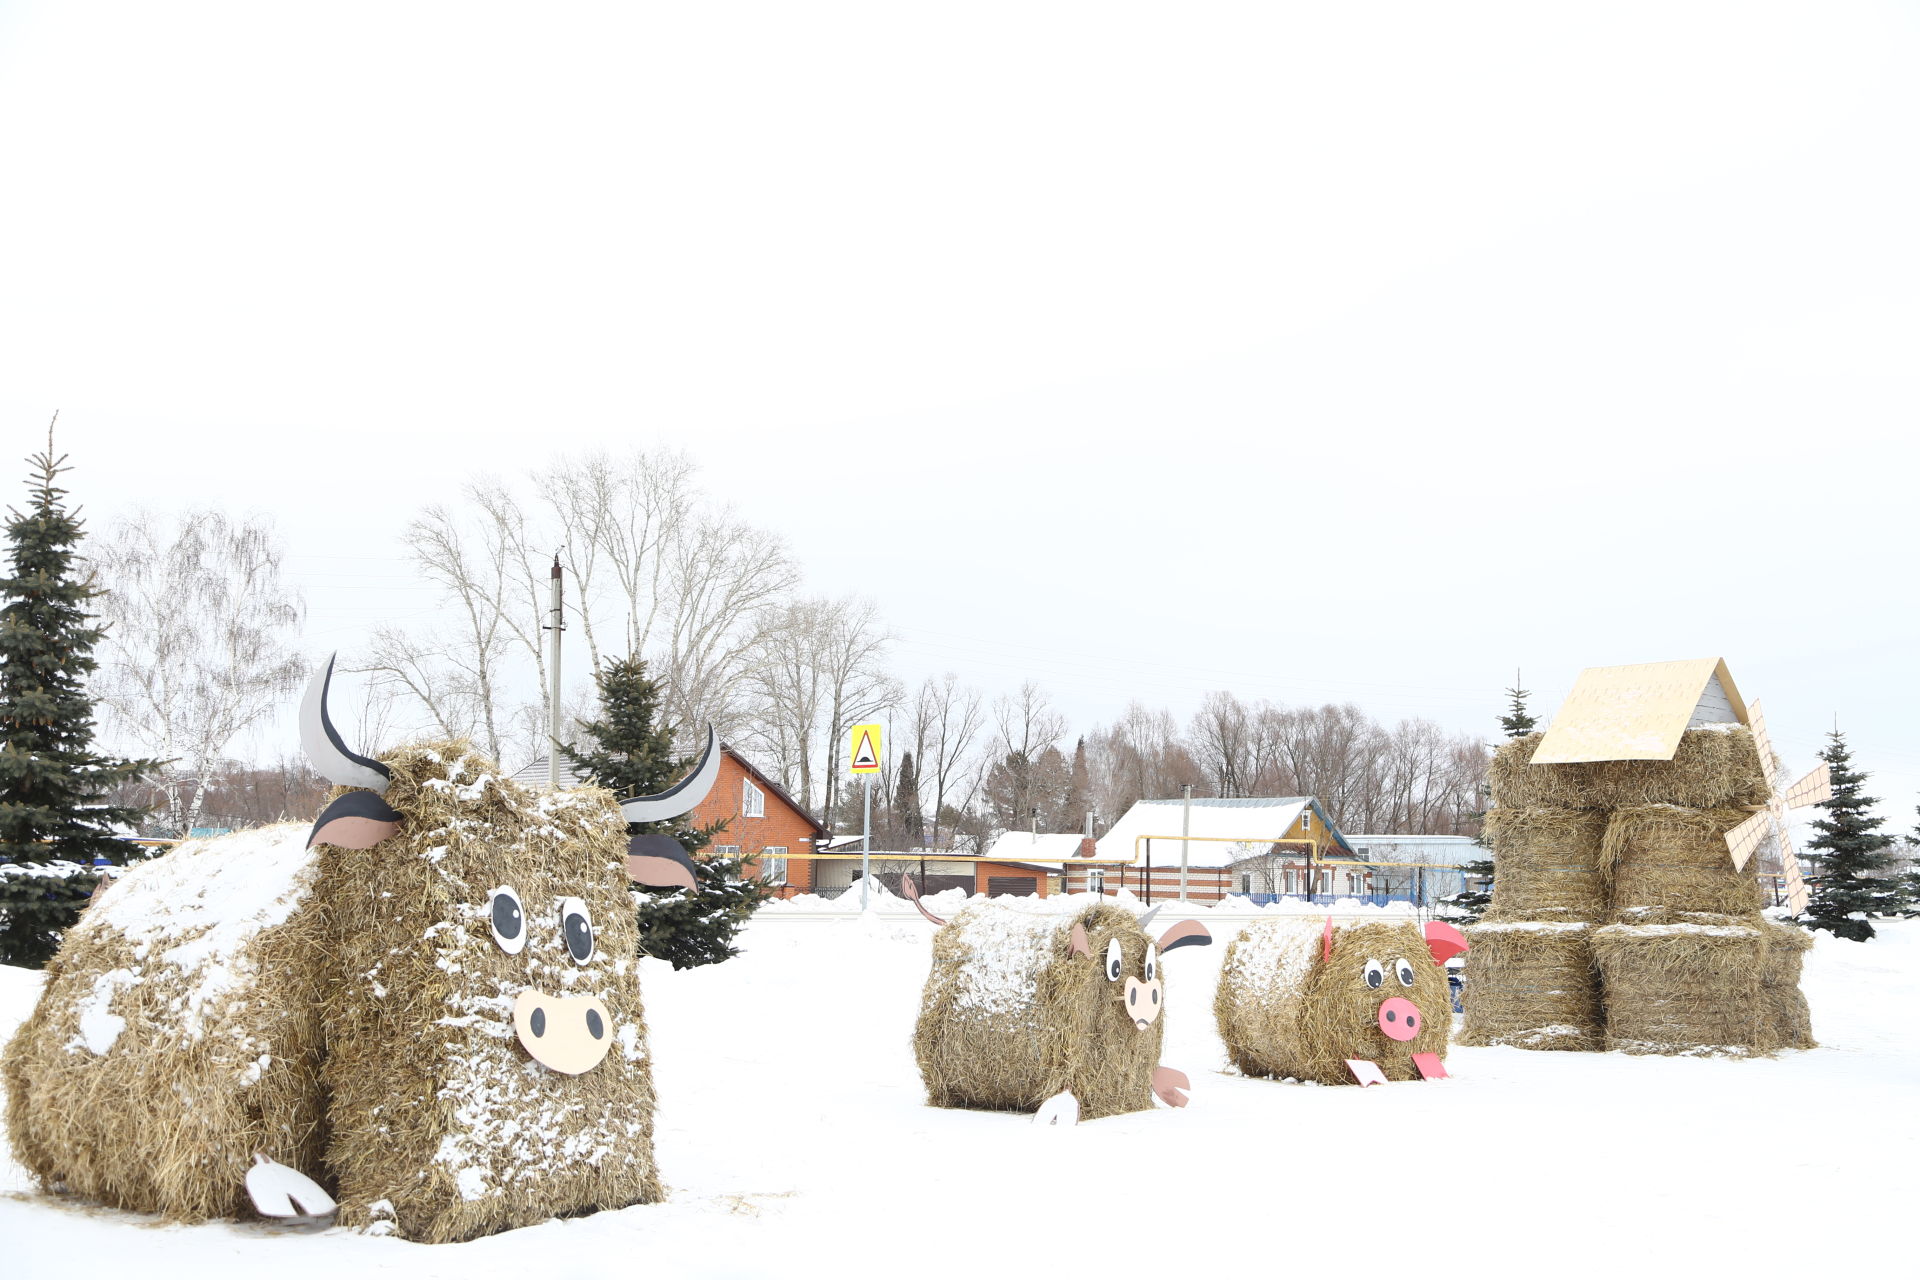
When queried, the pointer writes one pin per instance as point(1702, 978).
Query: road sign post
point(863, 763)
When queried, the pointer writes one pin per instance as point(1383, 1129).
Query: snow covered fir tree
point(1850, 867)
point(56, 823)
point(630, 753)
point(1472, 903)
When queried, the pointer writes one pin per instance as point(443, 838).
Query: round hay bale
point(179, 1032)
point(1531, 984)
point(1683, 986)
point(1011, 1015)
point(1546, 863)
point(1285, 1012)
point(1783, 1008)
point(1675, 859)
point(1713, 768)
point(443, 1127)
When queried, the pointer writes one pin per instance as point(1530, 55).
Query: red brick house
point(764, 823)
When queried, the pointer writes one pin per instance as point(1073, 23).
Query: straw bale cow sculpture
point(426, 1006)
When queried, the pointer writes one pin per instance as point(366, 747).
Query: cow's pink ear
point(1188, 933)
point(1326, 940)
point(1081, 947)
point(1444, 940)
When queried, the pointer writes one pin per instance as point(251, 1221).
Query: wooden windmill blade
point(1757, 723)
point(1744, 839)
point(1815, 788)
point(1791, 883)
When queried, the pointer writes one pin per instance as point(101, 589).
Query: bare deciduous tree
point(944, 721)
point(200, 645)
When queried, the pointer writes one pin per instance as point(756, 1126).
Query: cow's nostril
point(595, 1027)
point(1133, 995)
point(538, 1022)
point(1156, 997)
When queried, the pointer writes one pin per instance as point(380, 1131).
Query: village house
point(1243, 845)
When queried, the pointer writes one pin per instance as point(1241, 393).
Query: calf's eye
point(1113, 960)
point(1374, 974)
point(1403, 971)
point(577, 928)
point(508, 921)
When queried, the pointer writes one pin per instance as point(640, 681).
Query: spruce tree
point(631, 756)
point(1849, 854)
point(906, 802)
point(1518, 722)
point(54, 788)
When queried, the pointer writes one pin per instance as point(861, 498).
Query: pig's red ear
point(1326, 940)
point(1081, 947)
point(1444, 940)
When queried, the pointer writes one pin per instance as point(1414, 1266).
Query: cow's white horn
point(323, 746)
point(683, 795)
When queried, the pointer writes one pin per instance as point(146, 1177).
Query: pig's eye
point(577, 929)
point(1113, 960)
point(1403, 971)
point(509, 922)
point(1375, 975)
point(1153, 962)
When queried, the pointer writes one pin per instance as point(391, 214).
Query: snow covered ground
point(795, 1141)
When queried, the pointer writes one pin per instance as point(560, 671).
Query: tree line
point(204, 643)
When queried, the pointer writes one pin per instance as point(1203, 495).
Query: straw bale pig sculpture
point(1025, 1011)
point(430, 1004)
point(1366, 1003)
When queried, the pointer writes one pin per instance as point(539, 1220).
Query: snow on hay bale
point(1532, 984)
point(1671, 858)
point(1014, 1013)
point(1286, 1009)
point(1683, 983)
point(179, 1031)
point(1547, 863)
point(443, 1126)
point(1713, 768)
point(1788, 1023)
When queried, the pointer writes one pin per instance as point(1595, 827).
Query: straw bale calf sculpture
point(427, 1006)
point(1365, 1003)
point(1059, 1015)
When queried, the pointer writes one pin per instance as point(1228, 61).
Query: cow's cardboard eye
point(1403, 971)
point(1153, 962)
point(1113, 960)
point(509, 922)
point(577, 929)
point(1375, 975)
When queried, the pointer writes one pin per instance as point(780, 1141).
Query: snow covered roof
point(1224, 831)
point(1452, 850)
point(1025, 846)
point(534, 774)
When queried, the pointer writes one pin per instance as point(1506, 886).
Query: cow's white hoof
point(1060, 1109)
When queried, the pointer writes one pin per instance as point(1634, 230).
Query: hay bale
point(1683, 986)
point(1666, 857)
point(443, 1127)
point(1713, 768)
point(1787, 1022)
point(1532, 984)
point(1546, 863)
point(1011, 1016)
point(1285, 1012)
point(179, 1032)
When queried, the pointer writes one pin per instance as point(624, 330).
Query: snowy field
point(793, 1136)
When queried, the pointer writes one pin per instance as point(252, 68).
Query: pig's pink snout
point(1399, 1018)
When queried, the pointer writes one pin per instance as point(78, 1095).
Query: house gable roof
point(1224, 831)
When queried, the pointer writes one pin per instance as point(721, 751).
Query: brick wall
point(781, 826)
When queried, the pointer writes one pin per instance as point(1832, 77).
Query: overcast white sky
point(1335, 352)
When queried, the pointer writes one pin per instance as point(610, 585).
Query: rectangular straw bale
point(1010, 1016)
point(1532, 984)
point(1712, 768)
point(1546, 863)
point(179, 1032)
point(443, 1127)
point(1789, 1023)
point(1684, 987)
point(1672, 858)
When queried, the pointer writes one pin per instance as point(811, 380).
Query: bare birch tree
point(200, 645)
point(945, 719)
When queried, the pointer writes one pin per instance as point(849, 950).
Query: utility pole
point(1186, 825)
point(557, 624)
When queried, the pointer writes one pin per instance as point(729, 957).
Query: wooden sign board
point(1639, 712)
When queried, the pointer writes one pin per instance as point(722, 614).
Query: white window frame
point(1306, 820)
point(1096, 881)
point(753, 801)
point(726, 850)
point(773, 863)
